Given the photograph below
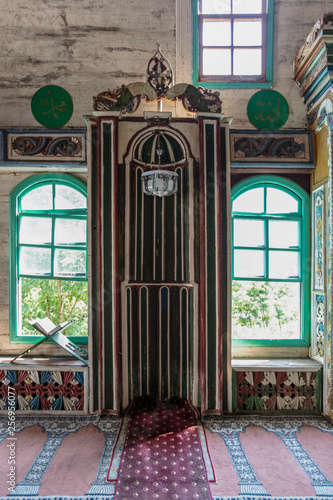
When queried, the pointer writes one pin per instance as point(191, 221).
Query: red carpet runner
point(162, 455)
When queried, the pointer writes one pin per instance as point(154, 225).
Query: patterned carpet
point(261, 458)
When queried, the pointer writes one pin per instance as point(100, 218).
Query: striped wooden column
point(104, 289)
point(214, 178)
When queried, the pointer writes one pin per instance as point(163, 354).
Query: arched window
point(48, 260)
point(270, 262)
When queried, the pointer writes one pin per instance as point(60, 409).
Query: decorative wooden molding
point(34, 146)
point(283, 147)
point(313, 64)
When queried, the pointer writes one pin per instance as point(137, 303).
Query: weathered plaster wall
point(84, 46)
point(88, 47)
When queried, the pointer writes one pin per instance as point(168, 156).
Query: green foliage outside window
point(60, 300)
point(264, 309)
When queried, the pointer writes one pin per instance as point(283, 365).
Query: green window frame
point(265, 220)
point(266, 18)
point(56, 215)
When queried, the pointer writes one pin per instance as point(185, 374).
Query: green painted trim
point(135, 350)
point(225, 283)
point(287, 186)
point(144, 340)
point(92, 293)
point(184, 324)
point(186, 225)
point(138, 242)
point(107, 175)
point(128, 333)
point(234, 391)
point(164, 296)
point(235, 85)
point(211, 268)
point(284, 413)
point(174, 341)
point(191, 342)
point(15, 195)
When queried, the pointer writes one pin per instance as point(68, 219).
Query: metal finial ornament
point(159, 73)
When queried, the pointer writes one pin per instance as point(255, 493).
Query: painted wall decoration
point(275, 390)
point(52, 106)
point(32, 147)
point(318, 235)
point(319, 325)
point(268, 110)
point(279, 147)
point(46, 147)
point(43, 390)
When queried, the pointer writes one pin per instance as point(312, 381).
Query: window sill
point(307, 365)
point(40, 363)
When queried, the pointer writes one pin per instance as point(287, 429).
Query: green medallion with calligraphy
point(268, 110)
point(52, 106)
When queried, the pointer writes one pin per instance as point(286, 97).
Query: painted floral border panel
point(278, 147)
point(319, 319)
point(43, 390)
point(318, 238)
point(60, 147)
point(260, 391)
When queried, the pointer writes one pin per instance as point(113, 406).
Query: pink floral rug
point(162, 456)
point(59, 457)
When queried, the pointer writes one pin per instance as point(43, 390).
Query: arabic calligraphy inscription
point(52, 106)
point(268, 110)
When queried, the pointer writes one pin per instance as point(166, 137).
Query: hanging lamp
point(159, 76)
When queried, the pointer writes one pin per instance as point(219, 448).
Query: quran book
point(46, 326)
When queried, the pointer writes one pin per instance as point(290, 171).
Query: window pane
point(266, 310)
point(247, 33)
point(279, 202)
point(249, 263)
point(35, 261)
point(66, 299)
point(38, 199)
point(216, 33)
point(251, 201)
point(216, 61)
point(248, 233)
point(247, 62)
point(69, 263)
point(283, 234)
point(283, 264)
point(35, 230)
point(247, 6)
point(69, 198)
point(70, 232)
point(216, 6)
